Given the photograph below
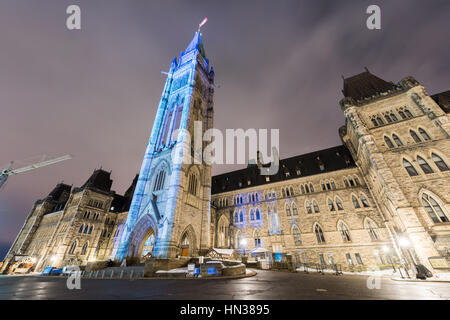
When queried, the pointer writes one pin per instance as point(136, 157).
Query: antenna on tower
point(202, 23)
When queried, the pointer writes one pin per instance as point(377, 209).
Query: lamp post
point(243, 244)
point(387, 251)
point(404, 243)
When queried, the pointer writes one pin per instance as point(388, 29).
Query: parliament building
point(381, 198)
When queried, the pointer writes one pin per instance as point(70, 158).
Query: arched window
point(424, 134)
point(374, 122)
point(355, 202)
point(193, 182)
point(302, 189)
point(86, 229)
point(159, 180)
point(388, 142)
point(81, 229)
point(371, 228)
point(236, 217)
point(241, 216)
point(252, 215)
point(90, 229)
point(346, 183)
point(257, 239)
point(323, 186)
point(258, 215)
point(319, 234)
point(397, 140)
point(331, 205)
point(308, 206)
point(439, 162)
point(288, 210)
point(380, 121)
point(433, 209)
point(339, 204)
point(311, 187)
point(352, 183)
point(408, 113)
point(306, 188)
point(333, 185)
point(297, 236)
point(402, 114)
point(409, 168)
point(424, 165)
point(364, 201)
point(345, 234)
point(83, 250)
point(283, 192)
point(357, 181)
point(294, 209)
point(316, 207)
point(73, 247)
point(394, 117)
point(414, 136)
point(388, 118)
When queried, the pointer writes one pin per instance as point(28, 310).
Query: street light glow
point(386, 249)
point(404, 242)
point(243, 242)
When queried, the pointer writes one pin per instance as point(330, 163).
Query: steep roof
point(196, 43)
point(443, 100)
point(100, 180)
point(365, 85)
point(122, 203)
point(322, 161)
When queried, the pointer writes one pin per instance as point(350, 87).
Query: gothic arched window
point(439, 162)
point(90, 229)
point(424, 134)
point(346, 183)
point(308, 206)
point(316, 207)
point(311, 187)
point(424, 165)
point(397, 140)
point(257, 239)
point(364, 201)
point(410, 168)
point(388, 142)
point(339, 204)
point(355, 202)
point(331, 205)
point(81, 229)
point(86, 229)
point(433, 209)
point(73, 247)
point(414, 136)
point(297, 236)
point(345, 234)
point(241, 216)
point(294, 209)
point(83, 250)
point(371, 228)
point(258, 215)
point(193, 183)
point(288, 210)
point(319, 234)
point(159, 180)
point(252, 215)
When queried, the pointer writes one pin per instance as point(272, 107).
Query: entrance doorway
point(185, 246)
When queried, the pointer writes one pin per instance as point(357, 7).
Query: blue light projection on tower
point(152, 209)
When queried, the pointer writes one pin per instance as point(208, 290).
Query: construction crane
point(5, 173)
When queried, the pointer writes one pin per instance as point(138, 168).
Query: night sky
point(93, 93)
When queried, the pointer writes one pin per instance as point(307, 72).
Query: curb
point(422, 281)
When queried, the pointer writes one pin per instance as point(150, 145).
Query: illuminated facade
point(381, 197)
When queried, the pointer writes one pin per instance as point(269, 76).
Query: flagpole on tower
point(202, 23)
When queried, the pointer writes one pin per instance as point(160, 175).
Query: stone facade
point(380, 199)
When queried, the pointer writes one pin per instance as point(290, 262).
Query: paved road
point(265, 285)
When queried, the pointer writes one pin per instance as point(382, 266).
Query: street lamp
point(243, 243)
point(404, 243)
point(387, 250)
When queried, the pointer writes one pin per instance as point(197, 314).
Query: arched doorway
point(142, 237)
point(188, 242)
point(185, 246)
